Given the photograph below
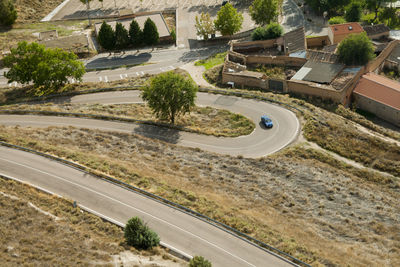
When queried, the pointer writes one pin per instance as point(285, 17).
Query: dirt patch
point(39, 229)
point(34, 10)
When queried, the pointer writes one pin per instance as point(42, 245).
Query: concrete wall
point(378, 61)
point(318, 41)
point(276, 60)
point(309, 88)
point(387, 113)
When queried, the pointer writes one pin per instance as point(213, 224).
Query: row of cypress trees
point(121, 38)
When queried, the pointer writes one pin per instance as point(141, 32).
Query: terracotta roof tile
point(379, 89)
point(346, 28)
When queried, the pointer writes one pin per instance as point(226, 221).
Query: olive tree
point(264, 11)
point(170, 95)
point(47, 68)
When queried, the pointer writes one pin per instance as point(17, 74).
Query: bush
point(106, 36)
point(353, 12)
point(336, 20)
point(139, 235)
point(150, 33)
point(271, 31)
point(356, 49)
point(121, 36)
point(8, 14)
point(199, 261)
point(135, 34)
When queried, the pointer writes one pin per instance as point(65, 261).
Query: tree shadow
point(202, 53)
point(165, 134)
point(94, 14)
point(115, 60)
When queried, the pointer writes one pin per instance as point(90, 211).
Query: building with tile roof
point(377, 31)
point(379, 95)
point(339, 32)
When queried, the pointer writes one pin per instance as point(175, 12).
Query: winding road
point(179, 230)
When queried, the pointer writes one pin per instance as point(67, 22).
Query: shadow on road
point(94, 14)
point(118, 60)
point(203, 52)
point(161, 133)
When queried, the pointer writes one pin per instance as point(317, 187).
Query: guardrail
point(281, 254)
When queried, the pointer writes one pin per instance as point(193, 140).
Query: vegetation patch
point(41, 229)
point(212, 61)
point(275, 72)
point(205, 120)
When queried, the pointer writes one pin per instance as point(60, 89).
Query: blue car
point(266, 121)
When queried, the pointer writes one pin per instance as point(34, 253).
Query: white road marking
point(100, 78)
point(171, 67)
point(105, 79)
point(124, 204)
point(142, 73)
point(120, 76)
point(126, 75)
point(137, 73)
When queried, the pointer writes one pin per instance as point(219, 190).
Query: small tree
point(336, 20)
point(170, 95)
point(204, 25)
point(264, 11)
point(356, 49)
point(228, 21)
point(8, 14)
point(139, 235)
point(48, 69)
point(199, 261)
point(121, 36)
point(106, 36)
point(353, 12)
point(150, 33)
point(271, 31)
point(135, 34)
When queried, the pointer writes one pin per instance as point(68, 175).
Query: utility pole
point(88, 12)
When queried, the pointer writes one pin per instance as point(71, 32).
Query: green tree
point(389, 16)
point(8, 14)
point(48, 69)
point(228, 21)
point(139, 235)
point(271, 31)
point(332, 6)
point(199, 261)
point(121, 36)
point(375, 5)
point(204, 25)
point(356, 49)
point(353, 12)
point(106, 36)
point(135, 34)
point(150, 33)
point(264, 11)
point(170, 95)
point(336, 20)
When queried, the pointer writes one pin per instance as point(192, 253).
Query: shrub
point(271, 31)
point(356, 49)
point(106, 36)
point(150, 33)
point(121, 36)
point(8, 14)
point(139, 235)
point(336, 20)
point(199, 261)
point(135, 34)
point(353, 12)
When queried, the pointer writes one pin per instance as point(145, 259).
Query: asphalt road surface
point(177, 229)
point(259, 143)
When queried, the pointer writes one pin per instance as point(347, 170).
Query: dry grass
point(34, 10)
point(66, 237)
point(204, 120)
point(300, 201)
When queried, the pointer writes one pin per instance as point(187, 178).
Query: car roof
point(265, 117)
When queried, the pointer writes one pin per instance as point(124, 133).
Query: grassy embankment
point(203, 120)
point(39, 229)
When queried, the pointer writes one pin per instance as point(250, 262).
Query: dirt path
point(196, 72)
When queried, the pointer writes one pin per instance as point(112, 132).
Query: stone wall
point(378, 61)
point(317, 41)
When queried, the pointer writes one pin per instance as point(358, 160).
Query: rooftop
point(346, 28)
point(295, 40)
point(322, 56)
point(74, 43)
point(376, 29)
point(379, 89)
point(395, 54)
point(319, 72)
